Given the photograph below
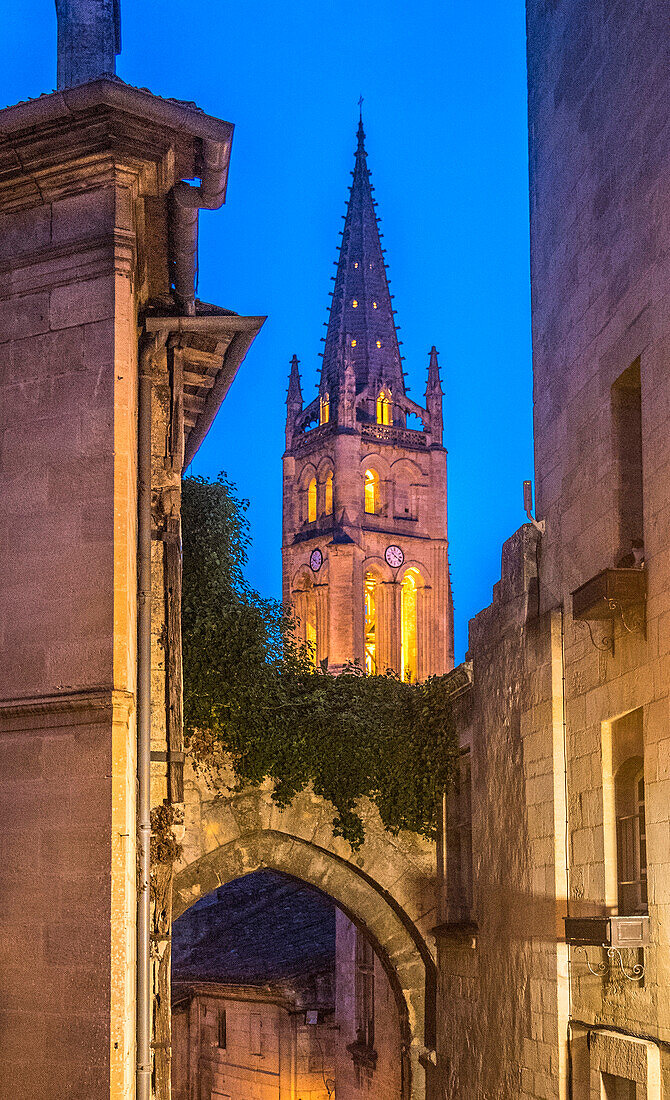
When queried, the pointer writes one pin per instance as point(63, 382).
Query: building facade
point(369, 1056)
point(232, 1043)
point(365, 552)
point(556, 967)
point(111, 377)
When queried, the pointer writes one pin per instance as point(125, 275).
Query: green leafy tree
point(252, 693)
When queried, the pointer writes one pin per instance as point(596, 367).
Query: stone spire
point(89, 38)
point(434, 394)
point(293, 400)
point(361, 311)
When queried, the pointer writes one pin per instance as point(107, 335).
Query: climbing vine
point(253, 698)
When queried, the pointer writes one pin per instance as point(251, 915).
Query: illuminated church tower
point(365, 561)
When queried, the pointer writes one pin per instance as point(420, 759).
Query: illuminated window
point(384, 406)
point(356, 263)
point(310, 628)
point(353, 343)
point(374, 305)
point(328, 509)
point(355, 304)
point(408, 625)
point(311, 501)
point(324, 408)
point(379, 343)
point(371, 491)
point(370, 624)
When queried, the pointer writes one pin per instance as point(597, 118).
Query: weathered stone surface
point(547, 694)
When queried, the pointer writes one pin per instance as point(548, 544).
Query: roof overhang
point(212, 349)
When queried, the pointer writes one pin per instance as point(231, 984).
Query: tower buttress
point(293, 400)
point(434, 395)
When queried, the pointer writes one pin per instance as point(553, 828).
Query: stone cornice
point(90, 259)
point(74, 708)
point(76, 140)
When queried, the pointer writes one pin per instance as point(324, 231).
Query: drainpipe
point(185, 202)
point(143, 998)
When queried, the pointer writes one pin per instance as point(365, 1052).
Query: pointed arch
point(412, 581)
point(310, 605)
point(384, 407)
point(396, 939)
point(371, 493)
point(311, 500)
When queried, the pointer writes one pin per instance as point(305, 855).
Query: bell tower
point(365, 562)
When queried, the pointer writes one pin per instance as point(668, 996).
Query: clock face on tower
point(394, 556)
point(315, 560)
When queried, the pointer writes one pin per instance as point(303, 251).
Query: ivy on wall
point(253, 697)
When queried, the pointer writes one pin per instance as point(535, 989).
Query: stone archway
point(388, 887)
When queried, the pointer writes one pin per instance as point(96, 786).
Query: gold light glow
point(384, 406)
point(408, 624)
point(311, 501)
point(371, 491)
point(324, 408)
point(329, 495)
point(370, 624)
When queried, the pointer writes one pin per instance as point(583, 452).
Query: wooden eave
point(212, 349)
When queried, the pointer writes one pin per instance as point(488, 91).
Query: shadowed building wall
point(567, 720)
point(86, 176)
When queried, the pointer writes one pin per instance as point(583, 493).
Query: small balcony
point(402, 437)
point(609, 595)
point(619, 932)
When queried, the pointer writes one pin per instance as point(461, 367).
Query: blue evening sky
point(445, 117)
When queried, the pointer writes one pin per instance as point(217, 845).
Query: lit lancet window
point(408, 624)
point(328, 503)
point(371, 491)
point(384, 406)
point(311, 501)
point(370, 624)
point(310, 629)
point(324, 408)
point(355, 303)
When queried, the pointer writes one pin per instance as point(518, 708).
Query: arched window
point(384, 408)
point(408, 625)
point(631, 837)
point(306, 608)
point(311, 501)
point(370, 624)
point(371, 492)
point(324, 408)
point(328, 502)
point(310, 626)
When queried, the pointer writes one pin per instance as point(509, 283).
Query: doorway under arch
point(398, 943)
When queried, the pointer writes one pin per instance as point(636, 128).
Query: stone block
point(89, 214)
point(23, 316)
point(81, 303)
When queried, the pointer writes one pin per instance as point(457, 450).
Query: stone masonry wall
point(544, 796)
point(66, 464)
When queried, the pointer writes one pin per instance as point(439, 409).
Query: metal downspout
point(143, 998)
point(185, 202)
